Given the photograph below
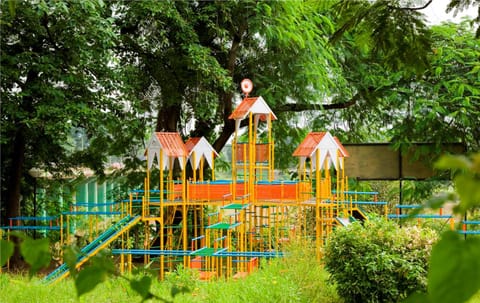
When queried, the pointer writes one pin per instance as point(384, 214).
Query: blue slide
point(94, 247)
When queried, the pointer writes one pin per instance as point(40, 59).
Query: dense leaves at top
point(193, 55)
point(396, 33)
point(58, 74)
point(117, 70)
point(439, 105)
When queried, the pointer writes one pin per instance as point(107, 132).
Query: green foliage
point(454, 269)
point(447, 97)
point(394, 32)
point(461, 272)
point(59, 74)
point(378, 261)
point(466, 179)
point(294, 278)
point(99, 270)
point(70, 255)
point(36, 252)
point(441, 105)
point(142, 287)
point(462, 5)
point(6, 251)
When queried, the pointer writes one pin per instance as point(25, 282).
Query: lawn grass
point(297, 278)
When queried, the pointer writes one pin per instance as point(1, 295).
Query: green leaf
point(468, 188)
point(88, 278)
point(476, 163)
point(417, 298)
point(6, 251)
point(98, 271)
point(452, 162)
point(70, 258)
point(142, 287)
point(36, 253)
point(454, 274)
point(437, 201)
point(175, 290)
point(19, 235)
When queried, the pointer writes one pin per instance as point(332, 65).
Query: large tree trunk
point(15, 175)
point(167, 119)
point(14, 188)
point(228, 124)
point(226, 99)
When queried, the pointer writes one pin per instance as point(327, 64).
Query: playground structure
point(449, 218)
point(221, 228)
point(405, 211)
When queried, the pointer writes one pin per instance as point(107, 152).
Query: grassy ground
point(297, 278)
point(294, 279)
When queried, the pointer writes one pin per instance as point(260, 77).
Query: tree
point(182, 61)
point(440, 105)
point(58, 74)
point(193, 66)
point(302, 57)
point(444, 104)
point(460, 5)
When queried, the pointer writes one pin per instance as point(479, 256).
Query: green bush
point(378, 261)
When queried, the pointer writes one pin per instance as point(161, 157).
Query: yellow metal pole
point(129, 263)
point(143, 198)
point(146, 243)
point(318, 219)
point(68, 229)
point(184, 210)
point(122, 257)
point(234, 164)
point(251, 150)
point(213, 165)
point(145, 208)
point(61, 232)
point(270, 149)
point(194, 168)
point(269, 228)
point(162, 217)
point(245, 171)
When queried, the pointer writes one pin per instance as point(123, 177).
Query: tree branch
point(412, 8)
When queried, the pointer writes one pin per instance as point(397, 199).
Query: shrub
point(378, 261)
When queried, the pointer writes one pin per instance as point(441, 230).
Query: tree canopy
point(117, 70)
point(58, 75)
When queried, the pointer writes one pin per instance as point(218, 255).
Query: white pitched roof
point(326, 144)
point(202, 149)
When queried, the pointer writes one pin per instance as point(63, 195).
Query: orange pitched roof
point(244, 108)
point(343, 150)
point(172, 144)
point(308, 145)
point(190, 144)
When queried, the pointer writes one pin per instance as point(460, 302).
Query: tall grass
point(295, 278)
